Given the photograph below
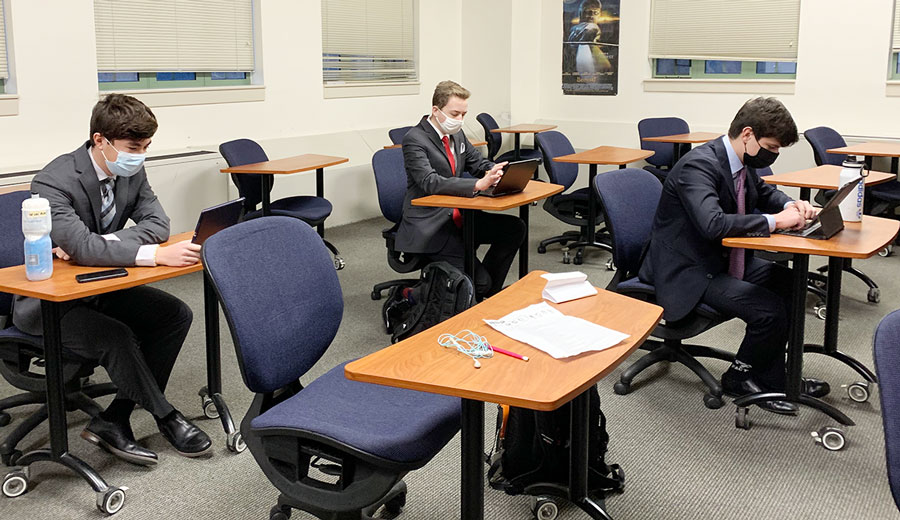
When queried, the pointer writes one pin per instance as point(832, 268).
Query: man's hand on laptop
point(789, 218)
point(805, 209)
point(491, 177)
point(179, 254)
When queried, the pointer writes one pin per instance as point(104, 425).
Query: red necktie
point(738, 255)
point(457, 216)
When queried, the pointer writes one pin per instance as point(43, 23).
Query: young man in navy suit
point(714, 192)
point(436, 153)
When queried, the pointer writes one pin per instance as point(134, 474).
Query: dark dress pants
point(135, 334)
point(504, 233)
point(762, 300)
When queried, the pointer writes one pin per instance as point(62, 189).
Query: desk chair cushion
point(390, 182)
point(396, 135)
point(387, 422)
point(888, 191)
point(308, 208)
point(14, 334)
point(887, 359)
point(555, 144)
point(636, 286)
point(658, 126)
point(822, 138)
point(525, 153)
point(11, 211)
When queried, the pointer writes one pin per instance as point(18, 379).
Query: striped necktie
point(108, 206)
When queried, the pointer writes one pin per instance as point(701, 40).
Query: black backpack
point(442, 291)
point(534, 449)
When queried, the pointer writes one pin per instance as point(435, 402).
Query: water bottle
point(852, 206)
point(36, 225)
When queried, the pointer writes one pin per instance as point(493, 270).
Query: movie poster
point(590, 47)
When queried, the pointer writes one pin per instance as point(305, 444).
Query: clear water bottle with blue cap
point(36, 225)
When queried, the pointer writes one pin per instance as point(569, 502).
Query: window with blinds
point(895, 45)
point(368, 42)
point(144, 36)
point(4, 63)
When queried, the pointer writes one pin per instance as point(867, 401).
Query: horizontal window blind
point(174, 35)
point(368, 41)
point(896, 45)
point(4, 67)
point(749, 30)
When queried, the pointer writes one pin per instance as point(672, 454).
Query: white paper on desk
point(555, 333)
point(563, 287)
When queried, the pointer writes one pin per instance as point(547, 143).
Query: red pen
point(508, 353)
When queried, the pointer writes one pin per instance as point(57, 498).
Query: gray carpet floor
point(682, 461)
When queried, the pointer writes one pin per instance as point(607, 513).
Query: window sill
point(195, 96)
point(370, 90)
point(892, 89)
point(732, 86)
point(9, 105)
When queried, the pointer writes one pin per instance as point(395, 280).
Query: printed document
point(555, 333)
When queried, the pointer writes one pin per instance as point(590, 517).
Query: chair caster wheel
point(545, 509)
point(566, 258)
point(579, 258)
point(10, 459)
point(887, 251)
point(621, 388)
point(338, 263)
point(610, 265)
point(713, 402)
point(874, 295)
point(831, 438)
point(235, 442)
point(280, 513)
point(742, 418)
point(395, 505)
point(111, 500)
point(542, 250)
point(858, 391)
point(15, 483)
point(5, 419)
point(209, 409)
point(821, 311)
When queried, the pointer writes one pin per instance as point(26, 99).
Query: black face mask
point(763, 158)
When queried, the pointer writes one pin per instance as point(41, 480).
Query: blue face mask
point(126, 164)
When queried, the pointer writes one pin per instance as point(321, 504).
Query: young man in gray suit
point(135, 334)
point(436, 153)
point(714, 192)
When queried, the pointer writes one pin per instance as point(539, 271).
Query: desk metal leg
point(591, 240)
point(517, 153)
point(523, 249)
point(213, 401)
point(472, 448)
point(266, 183)
point(578, 459)
point(320, 192)
point(468, 217)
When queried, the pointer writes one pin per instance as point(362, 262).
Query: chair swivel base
point(858, 391)
point(874, 293)
point(393, 503)
point(684, 354)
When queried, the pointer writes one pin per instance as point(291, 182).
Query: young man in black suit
point(714, 192)
point(436, 153)
point(135, 334)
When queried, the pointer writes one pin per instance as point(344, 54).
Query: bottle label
point(39, 213)
point(32, 260)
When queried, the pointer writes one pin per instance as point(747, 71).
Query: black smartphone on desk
point(101, 275)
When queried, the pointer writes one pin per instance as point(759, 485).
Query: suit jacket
point(70, 183)
point(696, 211)
point(423, 229)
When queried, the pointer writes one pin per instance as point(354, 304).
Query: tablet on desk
point(515, 177)
point(215, 219)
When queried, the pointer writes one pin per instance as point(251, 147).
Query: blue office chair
point(630, 197)
point(663, 158)
point(335, 448)
point(396, 134)
point(887, 359)
point(495, 141)
point(390, 182)
point(19, 352)
point(310, 209)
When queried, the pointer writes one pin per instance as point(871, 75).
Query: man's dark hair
point(768, 118)
point(118, 116)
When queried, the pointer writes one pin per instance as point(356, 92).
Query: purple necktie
point(738, 256)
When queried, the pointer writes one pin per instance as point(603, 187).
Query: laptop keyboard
point(811, 227)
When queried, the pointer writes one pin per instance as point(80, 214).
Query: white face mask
point(449, 125)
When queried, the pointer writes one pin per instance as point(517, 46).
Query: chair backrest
point(887, 359)
point(555, 144)
point(390, 182)
point(396, 134)
point(629, 198)
point(664, 153)
point(822, 138)
point(11, 238)
point(494, 141)
point(238, 153)
point(280, 294)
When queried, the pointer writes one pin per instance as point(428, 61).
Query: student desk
point(541, 383)
point(678, 139)
point(856, 240)
point(517, 131)
point(473, 143)
point(61, 288)
point(300, 163)
point(825, 177)
point(872, 149)
point(608, 155)
point(534, 191)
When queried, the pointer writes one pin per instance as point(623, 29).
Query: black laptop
point(829, 221)
point(515, 177)
point(215, 219)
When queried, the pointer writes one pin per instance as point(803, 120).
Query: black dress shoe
point(186, 438)
point(118, 439)
point(814, 387)
point(740, 387)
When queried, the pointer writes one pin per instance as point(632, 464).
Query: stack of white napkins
point(563, 287)
point(555, 333)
